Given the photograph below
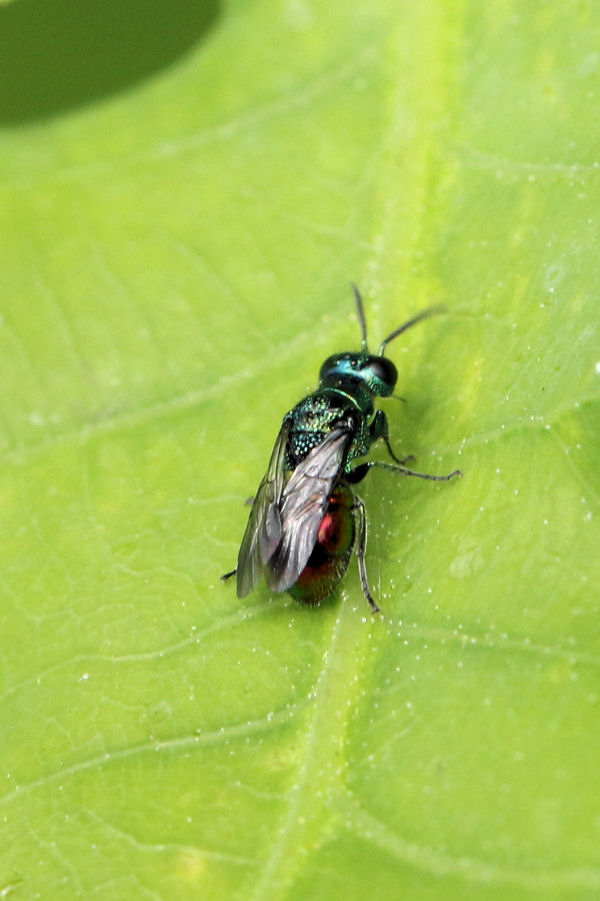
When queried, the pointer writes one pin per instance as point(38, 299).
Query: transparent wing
point(303, 507)
point(264, 529)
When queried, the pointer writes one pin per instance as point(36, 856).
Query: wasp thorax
point(378, 374)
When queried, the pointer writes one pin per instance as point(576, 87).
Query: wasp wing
point(303, 506)
point(264, 530)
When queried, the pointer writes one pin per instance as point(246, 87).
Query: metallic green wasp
point(306, 519)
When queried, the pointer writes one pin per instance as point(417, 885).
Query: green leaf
point(181, 221)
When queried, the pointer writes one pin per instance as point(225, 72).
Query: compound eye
point(330, 366)
point(384, 371)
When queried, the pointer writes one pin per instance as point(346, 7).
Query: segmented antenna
point(361, 317)
point(424, 314)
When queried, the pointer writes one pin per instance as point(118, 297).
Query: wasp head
point(377, 374)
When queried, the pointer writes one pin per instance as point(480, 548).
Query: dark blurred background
point(56, 55)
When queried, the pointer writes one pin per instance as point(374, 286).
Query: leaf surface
point(179, 235)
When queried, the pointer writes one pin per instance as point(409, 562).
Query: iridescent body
point(331, 554)
point(306, 520)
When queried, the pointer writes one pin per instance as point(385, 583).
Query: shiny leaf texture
point(185, 198)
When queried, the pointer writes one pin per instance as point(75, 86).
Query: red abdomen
point(331, 554)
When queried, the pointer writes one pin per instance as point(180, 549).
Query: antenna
point(361, 317)
point(424, 314)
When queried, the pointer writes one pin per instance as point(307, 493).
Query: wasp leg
point(361, 546)
point(357, 474)
point(393, 467)
point(229, 575)
point(379, 429)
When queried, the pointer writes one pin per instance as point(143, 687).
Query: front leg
point(379, 429)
